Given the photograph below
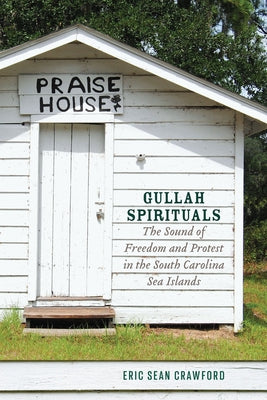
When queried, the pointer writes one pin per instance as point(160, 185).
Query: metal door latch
point(100, 214)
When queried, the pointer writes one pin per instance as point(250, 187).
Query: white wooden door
point(71, 194)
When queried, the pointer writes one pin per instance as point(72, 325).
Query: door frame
point(108, 121)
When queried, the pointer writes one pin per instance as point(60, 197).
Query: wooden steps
point(68, 313)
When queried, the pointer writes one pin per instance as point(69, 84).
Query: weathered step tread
point(68, 312)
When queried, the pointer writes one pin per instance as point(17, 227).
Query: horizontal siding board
point(187, 315)
point(175, 164)
point(136, 198)
point(173, 231)
point(13, 267)
point(12, 284)
point(141, 298)
point(120, 214)
point(152, 282)
point(14, 201)
point(149, 82)
point(14, 218)
point(10, 300)
point(174, 265)
point(14, 184)
point(175, 130)
point(14, 167)
point(41, 66)
point(13, 250)
point(218, 116)
point(13, 235)
point(173, 181)
point(14, 150)
point(165, 99)
point(182, 148)
point(12, 115)
point(9, 99)
point(182, 248)
point(14, 132)
point(8, 83)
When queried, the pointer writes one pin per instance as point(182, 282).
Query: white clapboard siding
point(186, 248)
point(12, 114)
point(149, 82)
point(14, 150)
point(175, 315)
point(14, 132)
point(175, 130)
point(159, 282)
point(14, 184)
point(173, 231)
point(9, 99)
point(172, 181)
point(13, 250)
point(73, 51)
point(139, 298)
point(167, 265)
point(9, 300)
point(212, 198)
point(8, 83)
point(14, 167)
point(121, 214)
point(174, 164)
point(218, 116)
point(39, 66)
point(11, 284)
point(182, 148)
point(14, 218)
point(14, 201)
point(131, 395)
point(14, 267)
point(13, 234)
point(165, 99)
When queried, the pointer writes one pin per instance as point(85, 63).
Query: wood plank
point(96, 225)
point(8, 83)
point(149, 82)
point(14, 267)
point(14, 167)
point(175, 130)
point(12, 284)
point(46, 187)
point(79, 210)
point(181, 148)
point(165, 99)
point(172, 282)
point(167, 265)
point(173, 231)
point(14, 132)
point(174, 164)
point(141, 298)
point(11, 300)
point(14, 201)
point(62, 170)
point(12, 115)
point(13, 235)
point(169, 181)
point(68, 312)
point(215, 116)
point(14, 217)
point(13, 250)
point(122, 214)
point(9, 99)
point(14, 150)
point(14, 184)
point(174, 315)
point(136, 197)
point(183, 248)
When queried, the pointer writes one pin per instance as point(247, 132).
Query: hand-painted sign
point(75, 94)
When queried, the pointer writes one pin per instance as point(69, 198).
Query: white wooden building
point(121, 183)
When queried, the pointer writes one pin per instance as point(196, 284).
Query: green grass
point(139, 343)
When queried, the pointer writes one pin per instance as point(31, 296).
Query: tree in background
point(219, 40)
